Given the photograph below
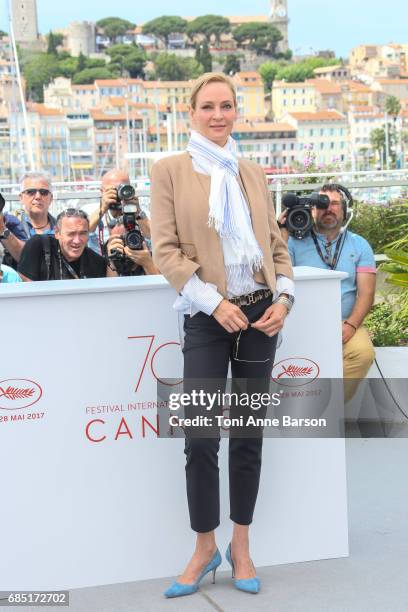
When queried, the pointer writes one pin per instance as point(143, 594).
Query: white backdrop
point(80, 357)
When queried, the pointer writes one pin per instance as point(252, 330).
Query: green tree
point(300, 71)
point(268, 72)
point(209, 26)
point(114, 27)
point(128, 57)
point(90, 75)
point(392, 106)
point(163, 26)
point(232, 65)
point(203, 56)
point(169, 67)
point(377, 140)
point(39, 70)
point(54, 41)
point(82, 63)
point(3, 34)
point(295, 73)
point(67, 67)
point(260, 37)
point(93, 62)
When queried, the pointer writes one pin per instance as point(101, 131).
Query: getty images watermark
point(210, 402)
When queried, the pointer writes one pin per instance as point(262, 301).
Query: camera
point(133, 236)
point(299, 220)
point(125, 192)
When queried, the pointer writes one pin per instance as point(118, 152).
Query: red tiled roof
point(328, 115)
point(266, 126)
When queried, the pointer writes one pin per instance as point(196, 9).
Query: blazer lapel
point(200, 182)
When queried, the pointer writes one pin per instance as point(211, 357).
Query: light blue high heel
point(249, 585)
point(177, 589)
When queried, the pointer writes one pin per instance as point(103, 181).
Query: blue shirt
point(9, 275)
point(27, 223)
point(355, 256)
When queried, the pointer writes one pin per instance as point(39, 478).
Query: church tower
point(279, 17)
point(25, 22)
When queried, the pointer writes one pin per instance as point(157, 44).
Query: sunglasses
point(32, 192)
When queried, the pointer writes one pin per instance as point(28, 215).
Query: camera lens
point(126, 192)
point(299, 221)
point(134, 240)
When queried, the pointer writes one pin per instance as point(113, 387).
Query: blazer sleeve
point(176, 266)
point(281, 257)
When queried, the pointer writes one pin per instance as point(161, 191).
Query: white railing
point(377, 186)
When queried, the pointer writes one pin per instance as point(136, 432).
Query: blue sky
point(315, 24)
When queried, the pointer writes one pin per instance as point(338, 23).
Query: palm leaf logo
point(14, 393)
point(295, 371)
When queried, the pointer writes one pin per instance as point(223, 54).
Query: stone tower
point(279, 17)
point(25, 22)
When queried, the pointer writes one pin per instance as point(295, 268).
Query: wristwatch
point(5, 234)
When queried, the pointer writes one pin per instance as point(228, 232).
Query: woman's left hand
point(272, 319)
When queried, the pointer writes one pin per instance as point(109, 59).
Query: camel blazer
point(182, 241)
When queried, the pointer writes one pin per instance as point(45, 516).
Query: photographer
point(12, 236)
point(316, 230)
point(115, 184)
point(128, 261)
point(65, 256)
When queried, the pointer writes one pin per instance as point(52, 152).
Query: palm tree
point(377, 140)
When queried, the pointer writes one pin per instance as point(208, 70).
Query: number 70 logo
point(151, 360)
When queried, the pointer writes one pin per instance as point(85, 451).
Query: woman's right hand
point(230, 317)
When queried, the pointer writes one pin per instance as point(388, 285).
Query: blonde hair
point(211, 77)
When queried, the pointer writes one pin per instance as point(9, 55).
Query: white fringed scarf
point(228, 210)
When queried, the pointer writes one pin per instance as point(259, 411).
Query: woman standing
point(217, 242)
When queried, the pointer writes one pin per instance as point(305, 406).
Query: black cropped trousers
point(208, 350)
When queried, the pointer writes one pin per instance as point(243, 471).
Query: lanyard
point(68, 267)
point(331, 263)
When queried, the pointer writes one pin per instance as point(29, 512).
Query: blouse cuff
point(284, 285)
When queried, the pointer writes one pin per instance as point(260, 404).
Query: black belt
point(251, 298)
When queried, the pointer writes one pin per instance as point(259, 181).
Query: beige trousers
point(358, 355)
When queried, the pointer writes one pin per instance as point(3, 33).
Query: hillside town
point(353, 111)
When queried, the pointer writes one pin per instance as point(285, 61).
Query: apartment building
point(5, 151)
point(250, 95)
point(166, 93)
point(272, 145)
point(293, 97)
point(333, 73)
point(310, 96)
point(385, 61)
point(80, 140)
point(326, 132)
point(392, 87)
point(116, 134)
